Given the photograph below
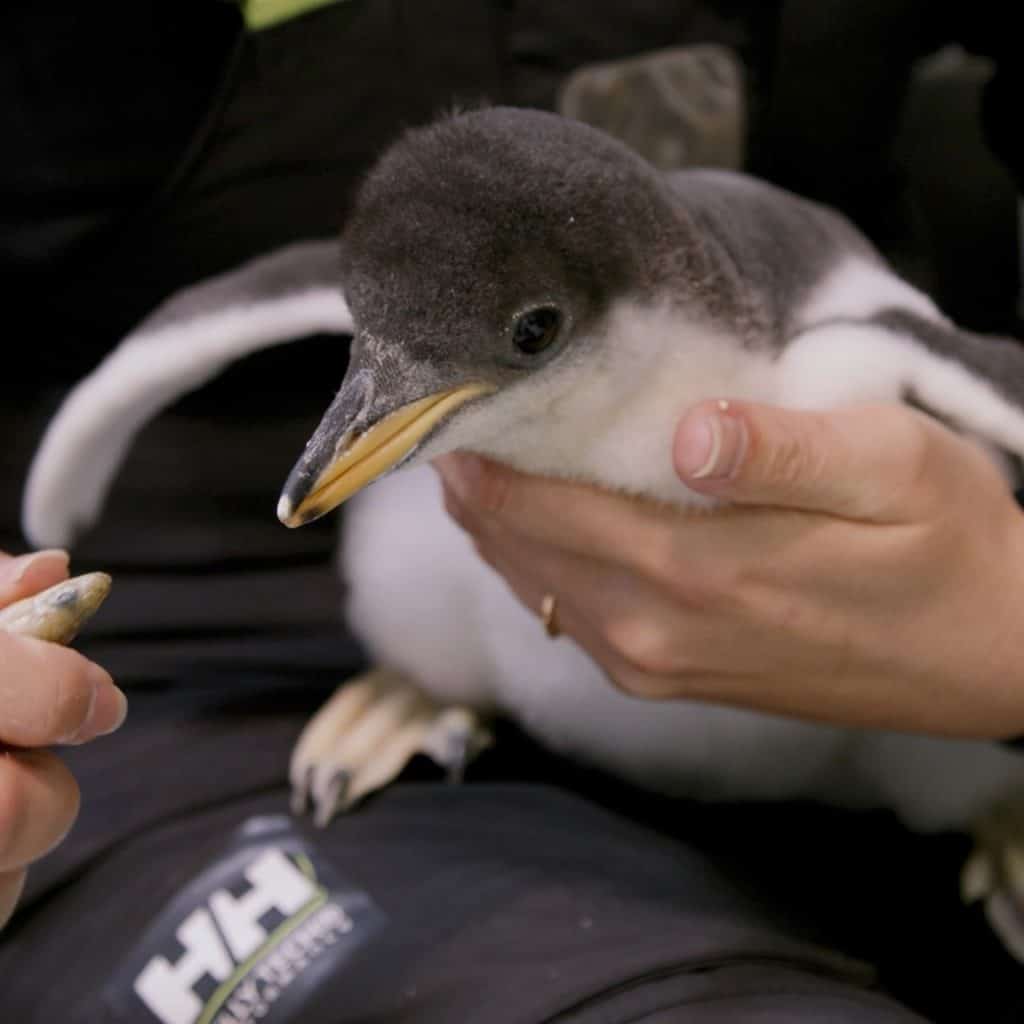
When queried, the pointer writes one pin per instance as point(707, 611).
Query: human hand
point(869, 569)
point(48, 694)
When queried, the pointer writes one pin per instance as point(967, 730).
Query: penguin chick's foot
point(363, 737)
point(994, 873)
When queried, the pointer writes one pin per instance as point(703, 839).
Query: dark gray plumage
point(464, 220)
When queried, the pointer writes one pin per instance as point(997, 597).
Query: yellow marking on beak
point(378, 449)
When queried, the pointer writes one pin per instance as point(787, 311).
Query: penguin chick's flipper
point(364, 736)
point(973, 383)
point(291, 293)
point(994, 872)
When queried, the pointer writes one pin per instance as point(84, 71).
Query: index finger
point(612, 527)
point(25, 575)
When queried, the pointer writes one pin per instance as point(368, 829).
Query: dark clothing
point(488, 903)
point(165, 145)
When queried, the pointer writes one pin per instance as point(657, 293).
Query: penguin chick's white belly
point(423, 602)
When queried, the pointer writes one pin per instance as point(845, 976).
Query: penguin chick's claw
point(994, 873)
point(59, 612)
point(367, 733)
point(454, 740)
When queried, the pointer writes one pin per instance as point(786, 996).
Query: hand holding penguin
point(873, 576)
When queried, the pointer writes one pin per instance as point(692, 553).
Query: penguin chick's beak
point(365, 456)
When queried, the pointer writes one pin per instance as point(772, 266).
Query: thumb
point(854, 462)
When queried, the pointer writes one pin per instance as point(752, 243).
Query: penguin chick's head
point(480, 252)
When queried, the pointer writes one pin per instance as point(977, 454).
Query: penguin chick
point(523, 286)
point(606, 298)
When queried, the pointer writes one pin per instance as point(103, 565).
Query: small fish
point(59, 612)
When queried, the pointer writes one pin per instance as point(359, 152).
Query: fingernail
point(107, 712)
point(461, 473)
point(711, 447)
point(44, 564)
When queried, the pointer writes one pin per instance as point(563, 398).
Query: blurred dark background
point(128, 126)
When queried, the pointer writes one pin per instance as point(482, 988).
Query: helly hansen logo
point(249, 939)
point(219, 937)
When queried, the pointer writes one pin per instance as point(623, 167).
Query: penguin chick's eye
point(536, 330)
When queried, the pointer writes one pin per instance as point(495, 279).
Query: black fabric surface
point(503, 903)
point(155, 145)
